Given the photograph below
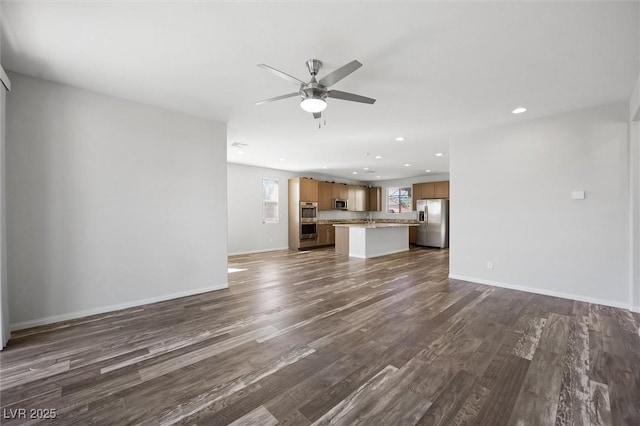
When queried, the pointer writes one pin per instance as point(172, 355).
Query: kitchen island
point(367, 240)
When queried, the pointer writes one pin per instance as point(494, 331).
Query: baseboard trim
point(635, 309)
point(542, 291)
point(110, 308)
point(237, 253)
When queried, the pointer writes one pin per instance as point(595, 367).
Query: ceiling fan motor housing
point(314, 90)
point(314, 66)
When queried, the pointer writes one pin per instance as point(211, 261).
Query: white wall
point(110, 203)
point(5, 321)
point(634, 195)
point(247, 233)
point(511, 204)
point(402, 183)
point(634, 182)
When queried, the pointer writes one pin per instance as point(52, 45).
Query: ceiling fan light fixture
point(313, 104)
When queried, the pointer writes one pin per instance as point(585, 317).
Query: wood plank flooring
point(305, 338)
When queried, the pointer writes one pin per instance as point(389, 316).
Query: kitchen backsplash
point(338, 214)
point(342, 215)
point(397, 216)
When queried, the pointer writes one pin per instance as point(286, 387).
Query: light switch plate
point(577, 195)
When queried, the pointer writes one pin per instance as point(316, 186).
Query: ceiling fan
point(314, 93)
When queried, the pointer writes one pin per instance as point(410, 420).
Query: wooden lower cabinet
point(413, 234)
point(326, 234)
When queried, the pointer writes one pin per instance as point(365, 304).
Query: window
point(399, 200)
point(269, 201)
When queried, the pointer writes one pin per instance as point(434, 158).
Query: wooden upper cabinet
point(325, 196)
point(351, 198)
point(428, 190)
point(308, 190)
point(362, 198)
point(442, 189)
point(357, 197)
point(416, 194)
point(340, 191)
point(375, 199)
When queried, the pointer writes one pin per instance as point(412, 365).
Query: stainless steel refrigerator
point(433, 223)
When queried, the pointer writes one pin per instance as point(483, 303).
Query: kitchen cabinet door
point(308, 190)
point(323, 234)
point(413, 234)
point(428, 190)
point(416, 194)
point(365, 207)
point(351, 197)
point(375, 199)
point(325, 196)
point(442, 189)
point(362, 198)
point(340, 191)
point(326, 234)
point(357, 198)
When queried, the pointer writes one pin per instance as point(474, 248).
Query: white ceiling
point(436, 69)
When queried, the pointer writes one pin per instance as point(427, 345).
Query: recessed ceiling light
point(519, 110)
point(378, 157)
point(282, 159)
point(355, 173)
point(377, 177)
point(399, 138)
point(366, 168)
point(428, 171)
point(439, 154)
point(407, 165)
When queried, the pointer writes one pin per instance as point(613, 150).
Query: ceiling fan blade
point(283, 75)
point(317, 115)
point(334, 77)
point(346, 96)
point(277, 98)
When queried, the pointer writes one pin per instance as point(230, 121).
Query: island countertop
point(374, 225)
point(367, 240)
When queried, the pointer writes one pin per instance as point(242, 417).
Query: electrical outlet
point(489, 265)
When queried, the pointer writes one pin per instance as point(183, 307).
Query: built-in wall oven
point(308, 231)
point(308, 221)
point(308, 211)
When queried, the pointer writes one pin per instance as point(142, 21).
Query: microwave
point(340, 204)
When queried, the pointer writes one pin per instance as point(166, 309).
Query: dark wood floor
point(303, 338)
